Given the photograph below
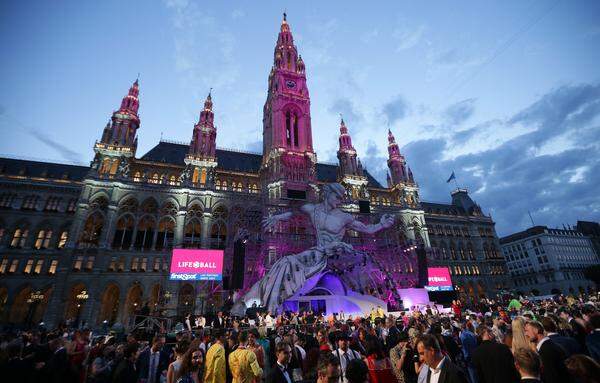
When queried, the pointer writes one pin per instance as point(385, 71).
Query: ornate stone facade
point(93, 243)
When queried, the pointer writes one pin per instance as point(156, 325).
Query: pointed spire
point(130, 102)
point(391, 138)
point(284, 25)
point(208, 102)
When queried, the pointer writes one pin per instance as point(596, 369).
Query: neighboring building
point(465, 240)
point(94, 243)
point(592, 231)
point(543, 260)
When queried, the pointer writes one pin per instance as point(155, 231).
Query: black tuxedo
point(142, 364)
point(553, 366)
point(530, 380)
point(125, 372)
point(449, 374)
point(58, 367)
point(494, 362)
point(218, 324)
point(276, 375)
point(569, 345)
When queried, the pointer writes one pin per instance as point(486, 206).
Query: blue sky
point(507, 94)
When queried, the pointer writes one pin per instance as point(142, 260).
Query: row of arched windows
point(31, 202)
point(44, 238)
point(146, 227)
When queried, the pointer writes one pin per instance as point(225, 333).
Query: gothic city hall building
point(93, 243)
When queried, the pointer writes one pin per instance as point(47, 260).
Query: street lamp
point(34, 299)
point(81, 298)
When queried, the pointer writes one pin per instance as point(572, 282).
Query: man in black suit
point(219, 321)
point(493, 361)
point(528, 363)
point(551, 354)
point(125, 371)
point(281, 372)
point(58, 366)
point(569, 345)
point(441, 368)
point(153, 361)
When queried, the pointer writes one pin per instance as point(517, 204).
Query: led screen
point(438, 279)
point(196, 265)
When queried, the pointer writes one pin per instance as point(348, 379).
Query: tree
point(592, 273)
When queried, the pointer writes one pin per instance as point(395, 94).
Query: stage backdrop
point(197, 265)
point(438, 279)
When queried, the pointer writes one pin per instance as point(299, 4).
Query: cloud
point(346, 107)
point(369, 36)
point(64, 151)
point(513, 175)
point(204, 47)
point(375, 162)
point(460, 112)
point(395, 110)
point(406, 38)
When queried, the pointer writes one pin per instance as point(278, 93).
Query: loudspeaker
point(237, 270)
point(422, 266)
point(364, 207)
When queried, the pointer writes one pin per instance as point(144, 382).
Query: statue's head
point(333, 194)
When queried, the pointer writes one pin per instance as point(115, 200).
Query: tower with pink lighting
point(288, 162)
point(201, 159)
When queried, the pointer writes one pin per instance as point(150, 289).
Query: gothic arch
point(169, 200)
point(74, 305)
point(185, 300)
point(109, 303)
point(149, 206)
point(196, 201)
point(19, 308)
point(99, 194)
point(133, 301)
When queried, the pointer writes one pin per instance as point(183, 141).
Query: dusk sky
point(505, 93)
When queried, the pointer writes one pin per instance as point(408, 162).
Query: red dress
point(380, 370)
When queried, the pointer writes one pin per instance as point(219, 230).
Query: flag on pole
point(452, 177)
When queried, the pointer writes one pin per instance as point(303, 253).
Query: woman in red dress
point(380, 367)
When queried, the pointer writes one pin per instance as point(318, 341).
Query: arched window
point(92, 229)
point(137, 177)
point(62, 241)
point(224, 185)
point(123, 233)
point(166, 229)
point(6, 200)
point(193, 234)
point(172, 180)
point(288, 128)
point(52, 204)
point(218, 184)
point(30, 202)
point(218, 235)
point(145, 233)
point(203, 176)
point(43, 239)
point(19, 238)
point(155, 179)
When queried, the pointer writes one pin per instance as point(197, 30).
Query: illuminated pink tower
point(288, 165)
point(400, 178)
point(201, 159)
point(119, 138)
point(122, 128)
point(350, 170)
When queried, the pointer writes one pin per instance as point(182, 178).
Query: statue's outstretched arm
point(386, 221)
point(271, 221)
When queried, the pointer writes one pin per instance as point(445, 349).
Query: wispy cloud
point(408, 38)
point(503, 164)
point(395, 110)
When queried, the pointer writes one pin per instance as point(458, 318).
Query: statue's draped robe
point(289, 273)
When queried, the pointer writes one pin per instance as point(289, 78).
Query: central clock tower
point(289, 161)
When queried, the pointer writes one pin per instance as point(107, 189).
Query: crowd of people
point(551, 341)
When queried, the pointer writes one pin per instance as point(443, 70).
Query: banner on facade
point(196, 265)
point(438, 279)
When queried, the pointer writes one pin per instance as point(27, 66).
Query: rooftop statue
point(289, 273)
